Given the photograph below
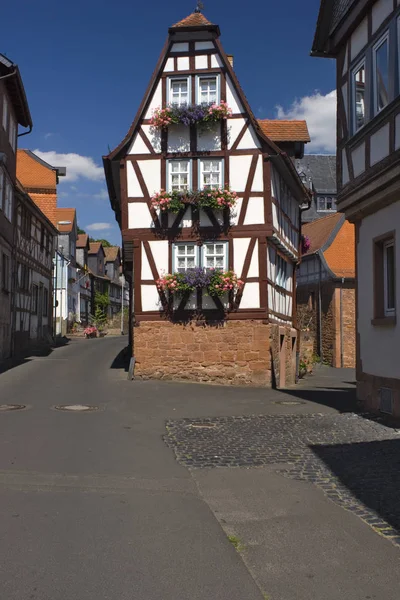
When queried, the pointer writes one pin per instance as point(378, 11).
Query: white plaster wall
point(159, 250)
point(380, 10)
point(206, 222)
point(271, 258)
point(345, 168)
point(154, 136)
point(186, 220)
point(254, 268)
point(345, 102)
point(251, 296)
point(134, 189)
point(235, 126)
point(151, 172)
point(346, 61)
point(146, 270)
point(235, 212)
point(275, 221)
point(204, 46)
point(255, 212)
point(258, 182)
point(380, 144)
point(183, 63)
point(240, 247)
point(138, 146)
point(150, 298)
point(201, 62)
point(358, 157)
point(249, 140)
point(169, 65)
point(239, 167)
point(232, 98)
point(180, 47)
point(139, 216)
point(379, 346)
point(359, 39)
point(155, 102)
point(178, 138)
point(216, 61)
point(397, 130)
point(209, 138)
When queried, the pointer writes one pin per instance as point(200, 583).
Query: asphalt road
point(93, 505)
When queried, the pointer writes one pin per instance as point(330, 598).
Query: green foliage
point(81, 231)
point(102, 300)
point(104, 243)
point(99, 319)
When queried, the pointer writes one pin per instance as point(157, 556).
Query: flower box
point(196, 114)
point(216, 199)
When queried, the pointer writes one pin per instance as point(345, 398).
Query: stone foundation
point(283, 350)
point(232, 353)
point(368, 393)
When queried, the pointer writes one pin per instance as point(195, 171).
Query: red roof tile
point(82, 240)
point(196, 19)
point(285, 131)
point(111, 253)
point(64, 214)
point(94, 247)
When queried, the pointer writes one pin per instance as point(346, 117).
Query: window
point(25, 223)
point(23, 277)
point(389, 279)
point(8, 201)
point(214, 255)
point(35, 296)
point(5, 273)
point(211, 174)
point(179, 91)
point(178, 175)
point(384, 278)
point(359, 114)
point(46, 302)
point(381, 73)
point(326, 203)
point(5, 113)
point(207, 92)
point(12, 132)
point(185, 257)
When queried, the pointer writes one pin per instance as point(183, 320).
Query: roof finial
point(199, 7)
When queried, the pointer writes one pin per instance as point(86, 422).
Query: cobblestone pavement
point(355, 461)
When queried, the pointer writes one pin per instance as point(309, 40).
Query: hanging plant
point(216, 282)
point(217, 112)
point(216, 198)
point(305, 244)
point(168, 201)
point(223, 282)
point(190, 115)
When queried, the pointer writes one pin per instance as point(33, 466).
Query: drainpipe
point(341, 324)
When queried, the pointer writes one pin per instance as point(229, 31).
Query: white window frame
point(5, 113)
point(388, 312)
point(8, 201)
point(384, 38)
point(186, 255)
point(325, 198)
point(170, 173)
point(354, 71)
point(169, 90)
point(214, 255)
point(201, 173)
point(218, 87)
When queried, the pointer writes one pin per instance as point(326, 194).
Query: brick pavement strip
point(353, 460)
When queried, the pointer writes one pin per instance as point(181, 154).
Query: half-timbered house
point(211, 147)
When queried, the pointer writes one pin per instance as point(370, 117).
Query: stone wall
point(283, 351)
point(231, 353)
point(349, 327)
point(369, 393)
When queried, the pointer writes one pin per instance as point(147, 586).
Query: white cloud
point(48, 135)
point(102, 195)
point(320, 113)
point(77, 165)
point(98, 226)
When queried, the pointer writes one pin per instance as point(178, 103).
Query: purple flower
point(197, 277)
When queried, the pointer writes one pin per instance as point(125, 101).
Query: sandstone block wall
point(233, 353)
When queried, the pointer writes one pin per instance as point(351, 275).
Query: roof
point(285, 131)
point(331, 14)
point(33, 172)
point(111, 253)
point(16, 91)
point(82, 240)
point(35, 207)
point(321, 169)
point(334, 237)
point(196, 19)
point(94, 247)
point(65, 214)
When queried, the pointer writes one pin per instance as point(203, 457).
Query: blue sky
point(86, 64)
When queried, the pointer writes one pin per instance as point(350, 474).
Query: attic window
point(326, 204)
point(207, 90)
point(179, 91)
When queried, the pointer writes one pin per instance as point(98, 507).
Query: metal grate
point(386, 401)
point(339, 10)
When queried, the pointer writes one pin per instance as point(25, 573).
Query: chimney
point(230, 59)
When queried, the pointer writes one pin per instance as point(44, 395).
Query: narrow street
point(95, 505)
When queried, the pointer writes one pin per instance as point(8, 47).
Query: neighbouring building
point(14, 111)
point(83, 283)
point(68, 274)
point(318, 172)
point(326, 304)
point(116, 287)
point(32, 289)
point(363, 37)
point(249, 335)
point(97, 269)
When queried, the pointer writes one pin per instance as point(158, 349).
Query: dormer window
point(179, 91)
point(211, 174)
point(207, 92)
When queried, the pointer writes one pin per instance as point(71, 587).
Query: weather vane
point(199, 7)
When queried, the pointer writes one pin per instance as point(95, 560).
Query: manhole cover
point(289, 402)
point(202, 425)
point(4, 407)
point(76, 407)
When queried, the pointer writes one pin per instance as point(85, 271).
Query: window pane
point(190, 249)
point(190, 262)
point(359, 87)
point(209, 262)
point(219, 262)
point(181, 249)
point(382, 75)
point(390, 290)
point(329, 204)
point(220, 249)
